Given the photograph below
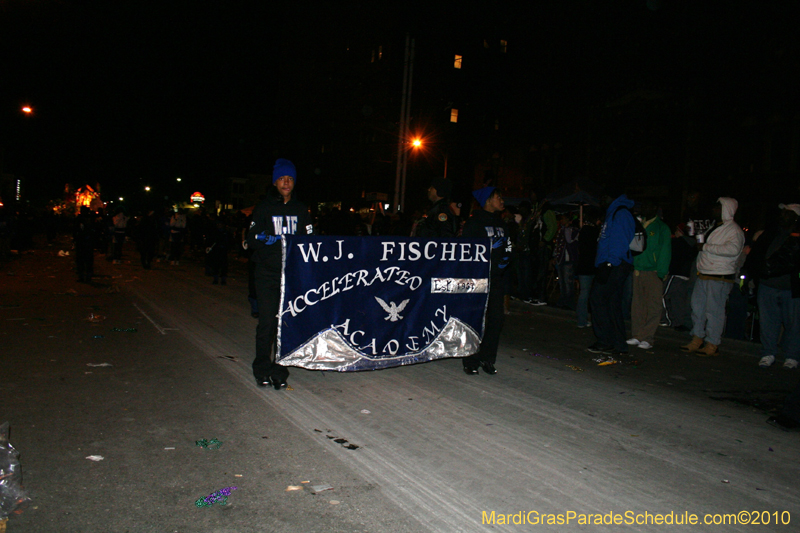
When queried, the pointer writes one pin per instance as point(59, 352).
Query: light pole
point(405, 116)
point(416, 143)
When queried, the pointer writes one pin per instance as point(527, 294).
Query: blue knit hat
point(283, 167)
point(482, 195)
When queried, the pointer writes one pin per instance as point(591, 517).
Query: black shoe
point(682, 328)
point(488, 368)
point(262, 381)
point(599, 347)
point(470, 370)
point(783, 422)
point(278, 383)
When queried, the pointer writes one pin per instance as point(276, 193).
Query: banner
point(364, 303)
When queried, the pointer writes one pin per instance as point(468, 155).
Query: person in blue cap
point(487, 222)
point(280, 214)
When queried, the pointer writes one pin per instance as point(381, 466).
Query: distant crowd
point(609, 263)
point(702, 276)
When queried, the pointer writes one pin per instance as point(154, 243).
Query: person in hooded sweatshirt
point(614, 263)
point(279, 214)
point(719, 250)
point(487, 222)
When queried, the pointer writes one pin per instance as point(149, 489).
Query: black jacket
point(276, 218)
point(485, 224)
point(587, 250)
point(777, 253)
point(684, 252)
point(440, 222)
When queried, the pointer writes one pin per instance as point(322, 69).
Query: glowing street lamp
point(417, 143)
point(28, 110)
point(147, 188)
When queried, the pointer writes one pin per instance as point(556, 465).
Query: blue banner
point(364, 303)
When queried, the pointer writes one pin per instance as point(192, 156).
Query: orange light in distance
point(416, 143)
point(27, 110)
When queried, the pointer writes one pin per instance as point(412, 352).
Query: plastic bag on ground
point(12, 497)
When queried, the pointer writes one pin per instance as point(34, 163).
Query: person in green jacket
point(649, 270)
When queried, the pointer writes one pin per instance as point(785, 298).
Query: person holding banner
point(275, 216)
point(487, 222)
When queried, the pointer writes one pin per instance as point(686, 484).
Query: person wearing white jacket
point(720, 248)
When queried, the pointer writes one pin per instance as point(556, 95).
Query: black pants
point(218, 263)
point(147, 250)
point(524, 274)
point(791, 406)
point(119, 239)
point(175, 247)
point(252, 297)
point(678, 302)
point(540, 262)
point(495, 317)
point(606, 302)
point(268, 291)
point(84, 261)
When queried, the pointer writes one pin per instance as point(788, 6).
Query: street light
point(417, 143)
point(147, 188)
point(28, 110)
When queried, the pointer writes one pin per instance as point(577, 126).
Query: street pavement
point(417, 448)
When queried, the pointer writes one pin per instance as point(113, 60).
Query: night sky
point(128, 92)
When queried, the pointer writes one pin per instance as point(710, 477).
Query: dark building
point(640, 93)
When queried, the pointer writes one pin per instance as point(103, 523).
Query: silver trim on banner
point(283, 294)
point(330, 351)
point(459, 285)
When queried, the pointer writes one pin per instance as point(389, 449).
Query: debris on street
point(220, 497)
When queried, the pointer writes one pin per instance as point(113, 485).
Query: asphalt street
point(411, 449)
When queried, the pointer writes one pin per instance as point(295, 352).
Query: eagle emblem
point(393, 310)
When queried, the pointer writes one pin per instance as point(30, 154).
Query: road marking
point(159, 328)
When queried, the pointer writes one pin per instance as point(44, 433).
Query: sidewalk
point(733, 376)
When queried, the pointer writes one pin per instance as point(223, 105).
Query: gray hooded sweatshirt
point(724, 244)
